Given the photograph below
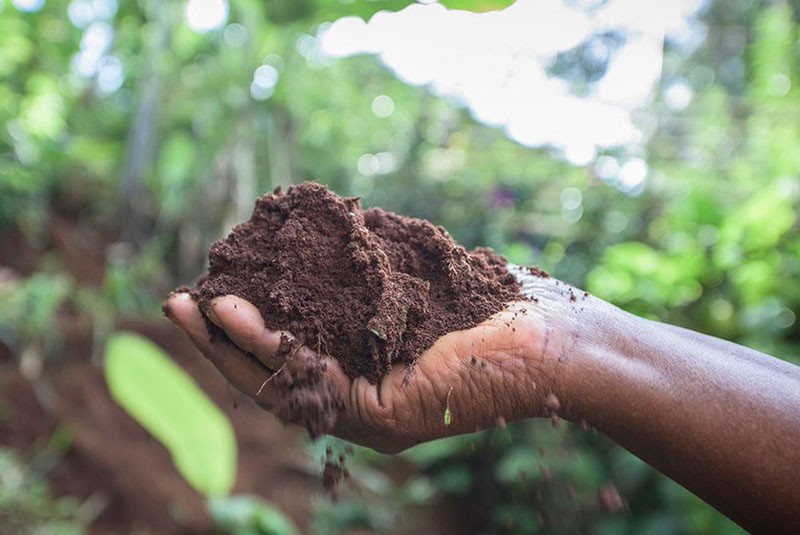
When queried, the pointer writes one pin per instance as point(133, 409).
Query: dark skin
point(720, 419)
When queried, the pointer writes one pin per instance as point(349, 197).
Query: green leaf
point(249, 514)
point(478, 6)
point(770, 54)
point(430, 453)
point(329, 10)
point(455, 479)
point(167, 402)
point(519, 463)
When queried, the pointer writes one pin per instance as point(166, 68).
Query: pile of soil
point(368, 287)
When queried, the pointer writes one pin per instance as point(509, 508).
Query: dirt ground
point(112, 458)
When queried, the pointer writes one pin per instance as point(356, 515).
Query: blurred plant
point(249, 515)
point(339, 510)
point(166, 401)
point(32, 310)
point(26, 507)
point(135, 281)
point(28, 317)
point(720, 246)
point(222, 116)
point(28, 307)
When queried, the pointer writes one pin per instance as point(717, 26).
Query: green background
point(175, 156)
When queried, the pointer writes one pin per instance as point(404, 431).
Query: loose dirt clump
point(370, 288)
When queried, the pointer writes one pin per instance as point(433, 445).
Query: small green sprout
point(447, 416)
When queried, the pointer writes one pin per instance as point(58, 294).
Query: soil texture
point(368, 287)
point(112, 465)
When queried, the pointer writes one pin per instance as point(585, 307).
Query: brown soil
point(128, 474)
point(368, 287)
point(132, 475)
point(114, 462)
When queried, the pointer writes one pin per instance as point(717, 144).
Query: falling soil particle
point(609, 499)
point(334, 471)
point(545, 471)
point(552, 403)
point(370, 288)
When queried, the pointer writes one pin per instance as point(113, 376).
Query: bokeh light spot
point(571, 198)
point(383, 106)
point(110, 74)
point(234, 35)
point(632, 175)
point(28, 6)
point(678, 95)
point(265, 78)
point(368, 164)
point(206, 15)
point(785, 318)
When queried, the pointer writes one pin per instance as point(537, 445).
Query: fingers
point(242, 371)
point(250, 353)
point(243, 324)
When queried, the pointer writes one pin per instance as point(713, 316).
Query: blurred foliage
point(30, 307)
point(164, 154)
point(248, 515)
point(26, 506)
point(168, 403)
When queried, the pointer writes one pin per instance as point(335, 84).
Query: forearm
point(720, 419)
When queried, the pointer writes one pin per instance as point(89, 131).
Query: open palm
point(500, 370)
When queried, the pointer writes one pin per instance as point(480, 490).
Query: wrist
point(576, 353)
point(592, 378)
point(555, 312)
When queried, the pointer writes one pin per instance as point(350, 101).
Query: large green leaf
point(478, 6)
point(329, 10)
point(166, 402)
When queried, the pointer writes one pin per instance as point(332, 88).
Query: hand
point(504, 369)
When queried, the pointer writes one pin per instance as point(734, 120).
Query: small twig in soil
point(279, 370)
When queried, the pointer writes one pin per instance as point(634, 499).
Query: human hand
point(504, 369)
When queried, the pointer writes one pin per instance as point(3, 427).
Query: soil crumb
point(609, 499)
point(368, 287)
point(334, 472)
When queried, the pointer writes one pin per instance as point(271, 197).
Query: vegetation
point(161, 147)
point(26, 506)
point(165, 400)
